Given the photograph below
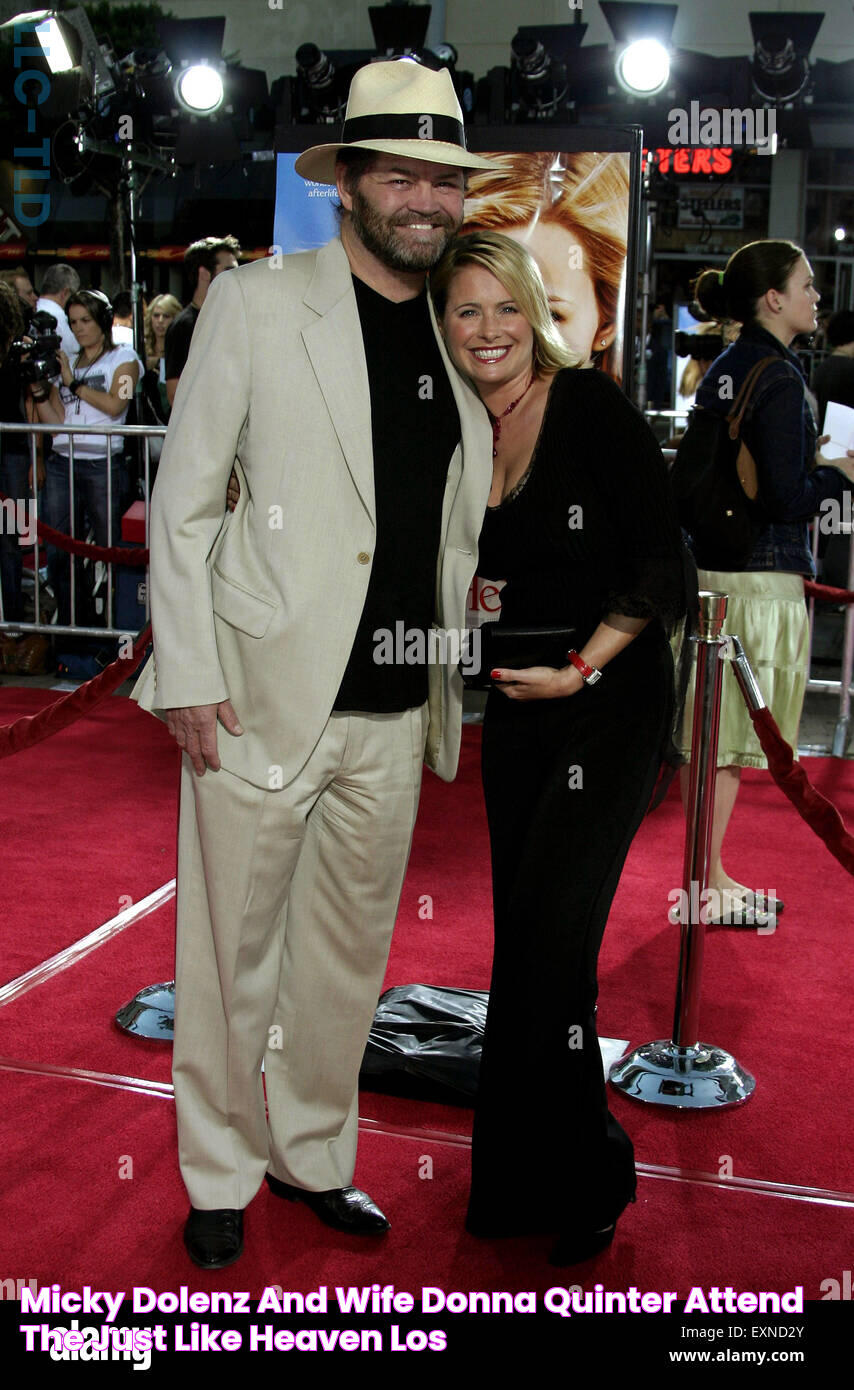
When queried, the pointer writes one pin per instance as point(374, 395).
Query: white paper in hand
point(839, 424)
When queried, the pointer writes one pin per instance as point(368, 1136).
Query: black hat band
point(426, 126)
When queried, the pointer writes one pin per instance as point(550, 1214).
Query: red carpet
point(90, 823)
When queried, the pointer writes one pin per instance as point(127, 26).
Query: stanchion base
point(151, 1013)
point(702, 1077)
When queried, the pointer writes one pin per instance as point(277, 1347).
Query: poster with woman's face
point(571, 211)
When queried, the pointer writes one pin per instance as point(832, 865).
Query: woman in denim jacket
point(768, 287)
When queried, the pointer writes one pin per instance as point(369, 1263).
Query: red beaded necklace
point(496, 419)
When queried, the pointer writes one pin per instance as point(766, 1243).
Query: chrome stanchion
point(150, 1014)
point(840, 733)
point(683, 1071)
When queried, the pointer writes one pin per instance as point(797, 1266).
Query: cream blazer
point(261, 606)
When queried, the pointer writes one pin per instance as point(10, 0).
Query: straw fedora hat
point(397, 106)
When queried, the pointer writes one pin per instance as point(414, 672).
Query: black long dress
point(566, 784)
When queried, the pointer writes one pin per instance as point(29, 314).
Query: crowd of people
point(92, 375)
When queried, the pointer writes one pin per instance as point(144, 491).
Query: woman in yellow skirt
point(767, 287)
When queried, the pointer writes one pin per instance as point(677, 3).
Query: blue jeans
point(14, 468)
point(90, 511)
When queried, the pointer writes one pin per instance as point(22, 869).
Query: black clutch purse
point(494, 645)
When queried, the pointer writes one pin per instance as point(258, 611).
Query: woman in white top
point(97, 388)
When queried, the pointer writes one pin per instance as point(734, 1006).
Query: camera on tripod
point(36, 361)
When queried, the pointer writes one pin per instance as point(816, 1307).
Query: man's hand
point(193, 728)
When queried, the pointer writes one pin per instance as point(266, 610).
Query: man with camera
point(14, 469)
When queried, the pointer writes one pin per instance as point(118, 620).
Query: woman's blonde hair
point(516, 269)
point(160, 301)
point(588, 195)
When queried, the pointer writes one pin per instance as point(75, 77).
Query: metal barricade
point(25, 519)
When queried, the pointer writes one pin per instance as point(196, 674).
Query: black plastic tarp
point(426, 1041)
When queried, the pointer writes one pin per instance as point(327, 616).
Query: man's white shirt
point(70, 345)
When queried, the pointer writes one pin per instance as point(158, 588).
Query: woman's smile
point(492, 354)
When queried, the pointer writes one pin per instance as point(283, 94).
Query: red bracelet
point(589, 674)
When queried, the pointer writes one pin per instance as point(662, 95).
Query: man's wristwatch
point(589, 674)
point(74, 385)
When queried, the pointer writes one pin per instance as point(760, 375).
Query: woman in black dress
point(582, 528)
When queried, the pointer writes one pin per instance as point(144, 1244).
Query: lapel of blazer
point(336, 350)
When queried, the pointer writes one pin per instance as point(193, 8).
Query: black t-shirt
point(415, 429)
point(178, 337)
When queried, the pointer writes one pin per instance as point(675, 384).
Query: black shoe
point(577, 1244)
point(214, 1239)
point(344, 1208)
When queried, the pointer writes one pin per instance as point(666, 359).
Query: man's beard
point(379, 236)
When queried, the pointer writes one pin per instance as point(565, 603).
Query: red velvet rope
point(819, 813)
point(32, 728)
point(109, 554)
point(826, 594)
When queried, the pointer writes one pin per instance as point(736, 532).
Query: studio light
point(54, 46)
point(643, 68)
point(68, 42)
point(840, 234)
point(643, 36)
point(60, 44)
point(199, 89)
point(399, 29)
point(782, 43)
point(323, 88)
point(530, 58)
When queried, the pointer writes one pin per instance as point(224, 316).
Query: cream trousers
point(286, 904)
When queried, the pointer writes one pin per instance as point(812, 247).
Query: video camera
point(37, 361)
point(703, 347)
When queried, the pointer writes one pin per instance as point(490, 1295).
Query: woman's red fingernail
point(494, 674)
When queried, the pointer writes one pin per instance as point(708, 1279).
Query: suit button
point(363, 557)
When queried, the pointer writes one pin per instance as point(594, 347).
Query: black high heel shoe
point(575, 1246)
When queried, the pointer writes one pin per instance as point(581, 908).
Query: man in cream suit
point(364, 464)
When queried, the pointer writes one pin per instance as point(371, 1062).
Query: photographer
point(15, 479)
point(18, 280)
point(98, 389)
